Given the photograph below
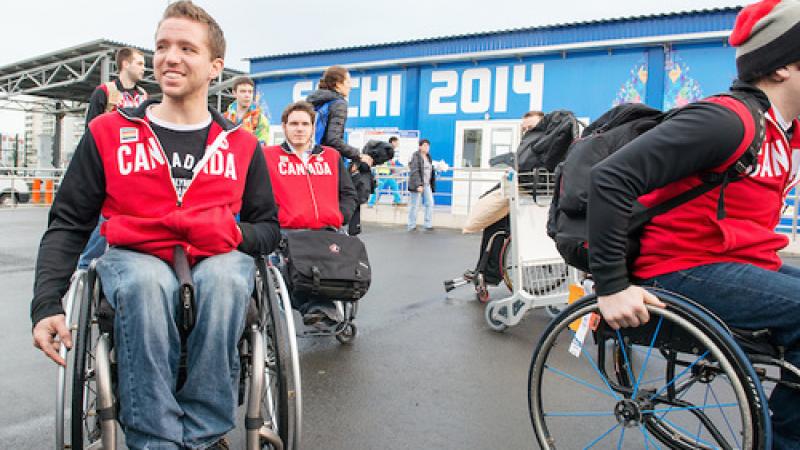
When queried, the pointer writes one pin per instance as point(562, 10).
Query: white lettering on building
point(472, 89)
point(383, 91)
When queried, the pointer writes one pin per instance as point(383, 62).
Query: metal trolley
point(536, 274)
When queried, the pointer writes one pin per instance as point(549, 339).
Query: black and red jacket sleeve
point(698, 138)
point(259, 213)
point(347, 193)
point(73, 216)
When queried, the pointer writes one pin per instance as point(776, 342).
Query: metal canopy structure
point(61, 83)
point(67, 78)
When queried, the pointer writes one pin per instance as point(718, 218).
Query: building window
point(473, 140)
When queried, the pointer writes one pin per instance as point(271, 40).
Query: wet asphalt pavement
point(425, 371)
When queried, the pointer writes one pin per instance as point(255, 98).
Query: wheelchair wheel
point(280, 399)
point(347, 334)
point(90, 378)
point(679, 381)
point(72, 302)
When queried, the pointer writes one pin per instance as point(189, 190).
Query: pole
point(16, 150)
point(57, 138)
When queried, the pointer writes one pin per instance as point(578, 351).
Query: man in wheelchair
point(166, 175)
point(313, 190)
point(726, 262)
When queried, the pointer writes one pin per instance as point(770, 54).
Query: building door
point(476, 143)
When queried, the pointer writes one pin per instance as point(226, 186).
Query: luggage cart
point(534, 270)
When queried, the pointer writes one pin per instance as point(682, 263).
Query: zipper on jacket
point(178, 197)
point(311, 186)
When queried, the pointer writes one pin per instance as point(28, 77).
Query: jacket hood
point(321, 96)
point(140, 113)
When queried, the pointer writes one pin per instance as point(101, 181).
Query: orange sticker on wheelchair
point(594, 321)
point(575, 292)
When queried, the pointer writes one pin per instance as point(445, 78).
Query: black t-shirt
point(184, 147)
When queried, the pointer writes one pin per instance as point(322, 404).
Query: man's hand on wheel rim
point(626, 308)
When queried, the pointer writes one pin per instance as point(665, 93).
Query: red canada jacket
point(146, 213)
point(313, 195)
point(691, 235)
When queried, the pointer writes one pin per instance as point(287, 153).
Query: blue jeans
point(386, 185)
point(143, 291)
point(94, 248)
point(748, 297)
point(427, 201)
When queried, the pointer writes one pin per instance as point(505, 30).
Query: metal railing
point(31, 187)
point(475, 181)
point(28, 187)
point(466, 186)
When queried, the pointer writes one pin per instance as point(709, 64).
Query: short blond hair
point(185, 9)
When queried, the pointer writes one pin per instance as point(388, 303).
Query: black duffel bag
point(326, 265)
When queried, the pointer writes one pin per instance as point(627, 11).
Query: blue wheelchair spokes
point(672, 383)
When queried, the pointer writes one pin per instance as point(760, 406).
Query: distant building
point(467, 93)
point(40, 134)
point(9, 148)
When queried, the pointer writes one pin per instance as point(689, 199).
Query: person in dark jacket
point(334, 87)
point(422, 185)
point(730, 265)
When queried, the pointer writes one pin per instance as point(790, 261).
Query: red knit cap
point(766, 36)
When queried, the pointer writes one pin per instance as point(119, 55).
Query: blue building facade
point(466, 93)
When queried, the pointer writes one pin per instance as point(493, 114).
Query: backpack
point(327, 265)
point(380, 151)
point(567, 223)
point(321, 122)
point(115, 95)
point(545, 145)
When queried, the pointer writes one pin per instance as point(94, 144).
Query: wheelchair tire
point(85, 427)
point(347, 334)
point(564, 387)
point(277, 342)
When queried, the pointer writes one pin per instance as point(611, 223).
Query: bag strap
point(315, 276)
point(744, 165)
point(114, 95)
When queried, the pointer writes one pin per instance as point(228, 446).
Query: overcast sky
point(257, 28)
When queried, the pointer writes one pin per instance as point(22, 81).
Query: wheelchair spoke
point(683, 372)
point(621, 343)
point(689, 434)
point(594, 366)
point(647, 358)
point(600, 438)
point(725, 417)
point(579, 381)
point(621, 438)
point(647, 440)
point(580, 414)
point(705, 403)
